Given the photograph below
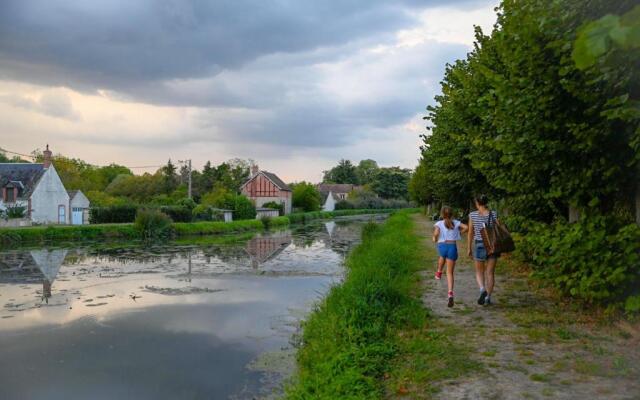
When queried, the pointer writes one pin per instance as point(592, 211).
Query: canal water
point(202, 318)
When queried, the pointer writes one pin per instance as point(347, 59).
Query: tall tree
point(344, 172)
point(392, 183)
point(169, 177)
point(366, 171)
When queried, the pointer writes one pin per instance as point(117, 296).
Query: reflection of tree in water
point(31, 267)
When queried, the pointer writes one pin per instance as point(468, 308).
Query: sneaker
point(438, 275)
point(483, 296)
point(487, 302)
point(450, 302)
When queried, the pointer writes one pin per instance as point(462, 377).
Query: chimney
point(254, 170)
point(47, 157)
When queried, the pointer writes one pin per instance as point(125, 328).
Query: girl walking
point(485, 264)
point(446, 233)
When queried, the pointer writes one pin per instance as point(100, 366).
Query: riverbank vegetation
point(543, 117)
point(352, 335)
point(153, 225)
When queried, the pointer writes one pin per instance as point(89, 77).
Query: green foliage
point(344, 205)
point(152, 224)
point(595, 260)
point(113, 214)
point(348, 341)
point(242, 207)
point(276, 206)
point(15, 211)
point(344, 172)
point(102, 199)
point(392, 183)
point(12, 237)
point(266, 222)
point(178, 213)
point(366, 171)
point(216, 227)
point(306, 197)
point(597, 37)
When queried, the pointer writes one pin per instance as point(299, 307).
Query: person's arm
point(436, 233)
point(463, 228)
point(470, 237)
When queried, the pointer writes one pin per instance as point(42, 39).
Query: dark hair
point(447, 215)
point(482, 199)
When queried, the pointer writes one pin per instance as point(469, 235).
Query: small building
point(264, 187)
point(37, 188)
point(331, 193)
point(266, 212)
point(79, 206)
point(223, 214)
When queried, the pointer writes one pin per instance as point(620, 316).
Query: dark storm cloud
point(121, 45)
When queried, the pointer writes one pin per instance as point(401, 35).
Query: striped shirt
point(479, 221)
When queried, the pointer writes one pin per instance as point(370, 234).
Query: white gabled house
point(38, 188)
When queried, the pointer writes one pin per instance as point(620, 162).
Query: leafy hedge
point(178, 213)
point(309, 216)
point(113, 214)
point(594, 260)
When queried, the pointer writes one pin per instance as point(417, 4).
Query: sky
point(294, 85)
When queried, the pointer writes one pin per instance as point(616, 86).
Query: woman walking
point(485, 264)
point(446, 233)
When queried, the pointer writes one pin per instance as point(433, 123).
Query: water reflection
point(175, 320)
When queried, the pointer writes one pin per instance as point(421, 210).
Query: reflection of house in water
point(264, 248)
point(31, 267)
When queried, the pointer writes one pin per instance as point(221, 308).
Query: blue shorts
point(480, 252)
point(448, 251)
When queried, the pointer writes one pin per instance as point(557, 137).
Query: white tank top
point(448, 234)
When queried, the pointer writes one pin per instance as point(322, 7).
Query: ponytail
point(447, 215)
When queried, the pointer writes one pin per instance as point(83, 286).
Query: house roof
point(72, 193)
point(337, 187)
point(26, 174)
point(273, 178)
point(325, 195)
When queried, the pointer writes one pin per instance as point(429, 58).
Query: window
point(62, 214)
point(11, 195)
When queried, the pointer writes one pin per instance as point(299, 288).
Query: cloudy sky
point(295, 85)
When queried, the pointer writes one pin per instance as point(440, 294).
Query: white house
point(38, 188)
point(332, 193)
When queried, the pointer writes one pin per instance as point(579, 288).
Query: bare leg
point(440, 264)
point(491, 268)
point(451, 265)
point(480, 273)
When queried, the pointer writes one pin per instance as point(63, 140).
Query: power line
point(92, 165)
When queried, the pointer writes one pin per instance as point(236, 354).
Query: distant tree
point(420, 185)
point(344, 172)
point(306, 196)
point(169, 177)
point(15, 159)
point(392, 183)
point(366, 171)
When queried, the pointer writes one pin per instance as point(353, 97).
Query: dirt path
point(529, 346)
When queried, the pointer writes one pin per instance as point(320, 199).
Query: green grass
point(310, 216)
point(371, 333)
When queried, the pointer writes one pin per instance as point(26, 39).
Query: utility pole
point(189, 191)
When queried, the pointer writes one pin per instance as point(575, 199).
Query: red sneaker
point(438, 275)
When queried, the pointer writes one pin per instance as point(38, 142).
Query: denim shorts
point(480, 252)
point(448, 251)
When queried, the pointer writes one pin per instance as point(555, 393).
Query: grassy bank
point(350, 338)
point(71, 233)
point(309, 216)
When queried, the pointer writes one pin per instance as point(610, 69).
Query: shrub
point(306, 196)
point(151, 224)
point(594, 260)
point(276, 206)
point(15, 212)
point(113, 214)
point(178, 213)
point(266, 221)
point(344, 205)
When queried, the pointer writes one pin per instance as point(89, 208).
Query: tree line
point(543, 116)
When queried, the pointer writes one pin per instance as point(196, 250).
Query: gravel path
point(530, 347)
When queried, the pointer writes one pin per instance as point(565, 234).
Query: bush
point(152, 224)
point(15, 212)
point(344, 205)
point(178, 213)
point(594, 260)
point(266, 221)
point(113, 214)
point(306, 196)
point(275, 206)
